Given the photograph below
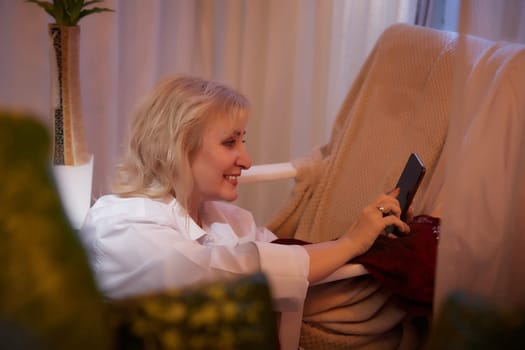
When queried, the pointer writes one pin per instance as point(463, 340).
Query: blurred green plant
point(70, 12)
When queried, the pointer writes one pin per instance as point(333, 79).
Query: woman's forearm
point(326, 257)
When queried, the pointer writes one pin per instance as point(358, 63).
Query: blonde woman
point(169, 223)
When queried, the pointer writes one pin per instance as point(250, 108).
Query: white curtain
point(494, 20)
point(294, 59)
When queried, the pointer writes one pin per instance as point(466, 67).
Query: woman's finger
point(394, 193)
point(388, 205)
point(410, 215)
point(394, 220)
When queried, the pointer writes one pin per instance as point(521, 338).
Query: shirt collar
point(185, 222)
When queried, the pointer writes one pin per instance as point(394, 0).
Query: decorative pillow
point(236, 314)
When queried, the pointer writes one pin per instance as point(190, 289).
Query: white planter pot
point(74, 186)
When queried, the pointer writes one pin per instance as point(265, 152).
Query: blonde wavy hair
point(167, 130)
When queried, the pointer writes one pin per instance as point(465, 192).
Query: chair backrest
point(483, 233)
point(398, 104)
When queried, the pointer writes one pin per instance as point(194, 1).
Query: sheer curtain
point(294, 59)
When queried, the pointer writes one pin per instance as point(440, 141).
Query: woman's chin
point(231, 197)
point(225, 196)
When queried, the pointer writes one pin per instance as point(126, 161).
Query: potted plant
point(73, 165)
point(69, 145)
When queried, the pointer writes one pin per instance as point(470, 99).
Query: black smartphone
point(408, 184)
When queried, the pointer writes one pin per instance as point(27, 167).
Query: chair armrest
point(344, 272)
point(268, 172)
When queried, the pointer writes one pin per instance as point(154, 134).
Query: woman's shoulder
point(115, 201)
point(130, 208)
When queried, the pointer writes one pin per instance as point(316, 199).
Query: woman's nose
point(244, 161)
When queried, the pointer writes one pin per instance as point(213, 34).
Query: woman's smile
point(232, 178)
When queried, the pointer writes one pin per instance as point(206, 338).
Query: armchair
point(457, 101)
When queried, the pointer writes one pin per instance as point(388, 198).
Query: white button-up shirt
point(139, 245)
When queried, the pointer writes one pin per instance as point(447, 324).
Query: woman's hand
point(382, 212)
point(326, 257)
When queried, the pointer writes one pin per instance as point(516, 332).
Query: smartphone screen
point(408, 184)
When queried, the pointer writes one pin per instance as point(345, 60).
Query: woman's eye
point(229, 143)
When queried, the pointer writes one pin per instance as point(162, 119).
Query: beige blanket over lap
point(398, 104)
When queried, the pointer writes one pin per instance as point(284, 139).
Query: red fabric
point(406, 265)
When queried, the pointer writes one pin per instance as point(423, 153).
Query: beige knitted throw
point(398, 104)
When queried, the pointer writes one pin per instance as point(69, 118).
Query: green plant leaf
point(47, 6)
point(93, 10)
point(87, 3)
point(60, 12)
point(69, 12)
point(73, 11)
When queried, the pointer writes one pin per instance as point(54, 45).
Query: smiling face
point(218, 162)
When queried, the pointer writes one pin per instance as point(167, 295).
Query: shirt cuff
point(286, 268)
